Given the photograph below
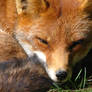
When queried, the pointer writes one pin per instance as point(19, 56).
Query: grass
point(79, 84)
point(81, 90)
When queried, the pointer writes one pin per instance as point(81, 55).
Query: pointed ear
point(33, 7)
point(19, 6)
point(86, 5)
point(83, 4)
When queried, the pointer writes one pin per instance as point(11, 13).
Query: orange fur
point(58, 23)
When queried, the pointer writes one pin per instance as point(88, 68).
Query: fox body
point(9, 48)
point(23, 75)
point(57, 32)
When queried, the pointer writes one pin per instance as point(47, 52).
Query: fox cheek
point(40, 55)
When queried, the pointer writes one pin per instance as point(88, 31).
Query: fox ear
point(33, 7)
point(86, 5)
point(83, 4)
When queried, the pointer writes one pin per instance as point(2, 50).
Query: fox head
point(57, 32)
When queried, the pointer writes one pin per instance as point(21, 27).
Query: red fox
point(57, 32)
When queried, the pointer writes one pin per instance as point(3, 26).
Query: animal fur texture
point(58, 32)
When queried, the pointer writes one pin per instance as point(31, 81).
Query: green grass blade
point(85, 72)
point(57, 87)
point(78, 75)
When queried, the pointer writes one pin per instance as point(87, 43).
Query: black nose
point(61, 75)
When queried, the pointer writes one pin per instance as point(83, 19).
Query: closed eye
point(74, 44)
point(42, 40)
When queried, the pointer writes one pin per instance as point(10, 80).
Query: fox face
point(57, 33)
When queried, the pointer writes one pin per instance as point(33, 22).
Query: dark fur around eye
point(42, 40)
point(74, 44)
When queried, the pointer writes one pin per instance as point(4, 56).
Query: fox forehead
point(59, 29)
point(71, 23)
point(63, 21)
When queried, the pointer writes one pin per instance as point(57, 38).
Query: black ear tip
point(23, 0)
point(47, 3)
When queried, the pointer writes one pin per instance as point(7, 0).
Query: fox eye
point(74, 44)
point(42, 40)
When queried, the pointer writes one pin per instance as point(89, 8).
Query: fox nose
point(61, 75)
